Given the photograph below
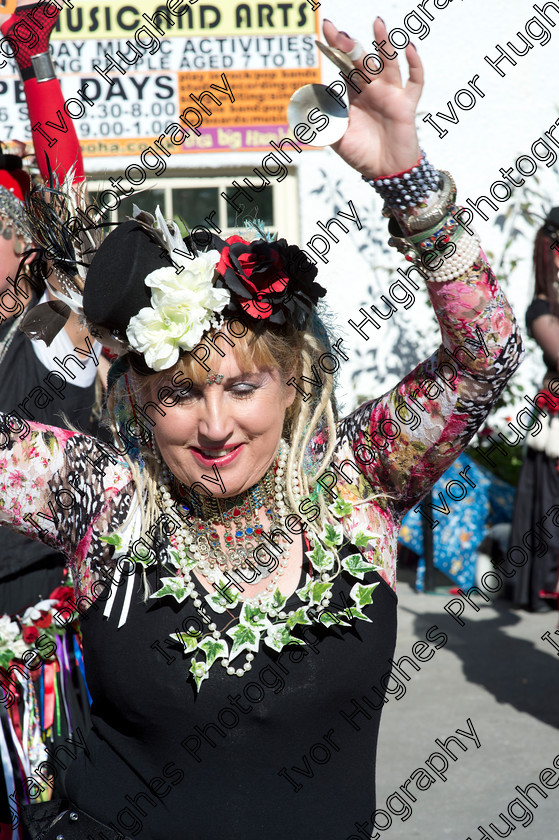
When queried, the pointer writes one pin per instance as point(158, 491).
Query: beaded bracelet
point(419, 248)
point(409, 188)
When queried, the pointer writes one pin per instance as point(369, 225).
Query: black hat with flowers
point(260, 282)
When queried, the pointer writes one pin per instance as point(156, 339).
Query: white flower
point(183, 307)
point(33, 613)
point(18, 648)
point(9, 630)
point(10, 638)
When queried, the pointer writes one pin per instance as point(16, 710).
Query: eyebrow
point(243, 375)
point(226, 380)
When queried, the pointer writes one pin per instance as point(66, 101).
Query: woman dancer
point(535, 585)
point(234, 549)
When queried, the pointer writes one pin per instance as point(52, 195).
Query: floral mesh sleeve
point(396, 447)
point(64, 489)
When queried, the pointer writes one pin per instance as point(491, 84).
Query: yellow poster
point(180, 19)
point(129, 69)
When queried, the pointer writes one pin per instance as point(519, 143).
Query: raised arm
point(28, 30)
point(402, 442)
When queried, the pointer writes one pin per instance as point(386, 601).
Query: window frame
point(285, 198)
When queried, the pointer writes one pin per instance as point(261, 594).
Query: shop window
point(190, 200)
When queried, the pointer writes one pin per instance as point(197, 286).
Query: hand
point(381, 138)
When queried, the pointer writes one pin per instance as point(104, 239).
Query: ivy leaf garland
point(357, 566)
point(214, 649)
point(361, 539)
point(254, 616)
point(314, 591)
point(298, 617)
point(363, 595)
point(244, 637)
point(279, 636)
point(200, 672)
point(113, 539)
point(277, 602)
point(332, 534)
point(267, 622)
point(322, 560)
point(178, 563)
point(187, 640)
point(172, 586)
point(341, 507)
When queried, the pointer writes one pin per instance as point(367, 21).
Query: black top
point(22, 375)
point(537, 308)
point(267, 755)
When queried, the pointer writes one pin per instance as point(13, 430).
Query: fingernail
point(326, 20)
point(345, 33)
point(381, 19)
point(413, 45)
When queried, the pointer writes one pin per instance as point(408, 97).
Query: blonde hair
point(295, 353)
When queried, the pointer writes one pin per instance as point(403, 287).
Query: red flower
point(268, 280)
point(30, 635)
point(63, 595)
point(260, 272)
point(45, 620)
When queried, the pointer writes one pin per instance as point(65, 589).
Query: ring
point(356, 52)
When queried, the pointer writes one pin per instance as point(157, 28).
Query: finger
point(342, 42)
point(332, 34)
point(349, 46)
point(391, 70)
point(414, 85)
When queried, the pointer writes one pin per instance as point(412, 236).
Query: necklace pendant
point(203, 546)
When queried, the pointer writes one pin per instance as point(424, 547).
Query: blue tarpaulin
point(462, 528)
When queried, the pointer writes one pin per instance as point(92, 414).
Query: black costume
point(538, 490)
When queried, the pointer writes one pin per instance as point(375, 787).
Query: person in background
point(535, 584)
point(50, 701)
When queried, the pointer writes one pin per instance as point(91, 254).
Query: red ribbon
point(15, 719)
point(50, 676)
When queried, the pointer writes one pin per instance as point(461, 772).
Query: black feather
point(45, 320)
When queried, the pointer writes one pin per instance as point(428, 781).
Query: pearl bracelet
point(467, 251)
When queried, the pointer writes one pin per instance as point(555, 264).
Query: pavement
point(497, 673)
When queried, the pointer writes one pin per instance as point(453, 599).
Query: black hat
point(115, 290)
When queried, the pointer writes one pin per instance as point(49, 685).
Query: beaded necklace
point(240, 521)
point(238, 554)
point(263, 617)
